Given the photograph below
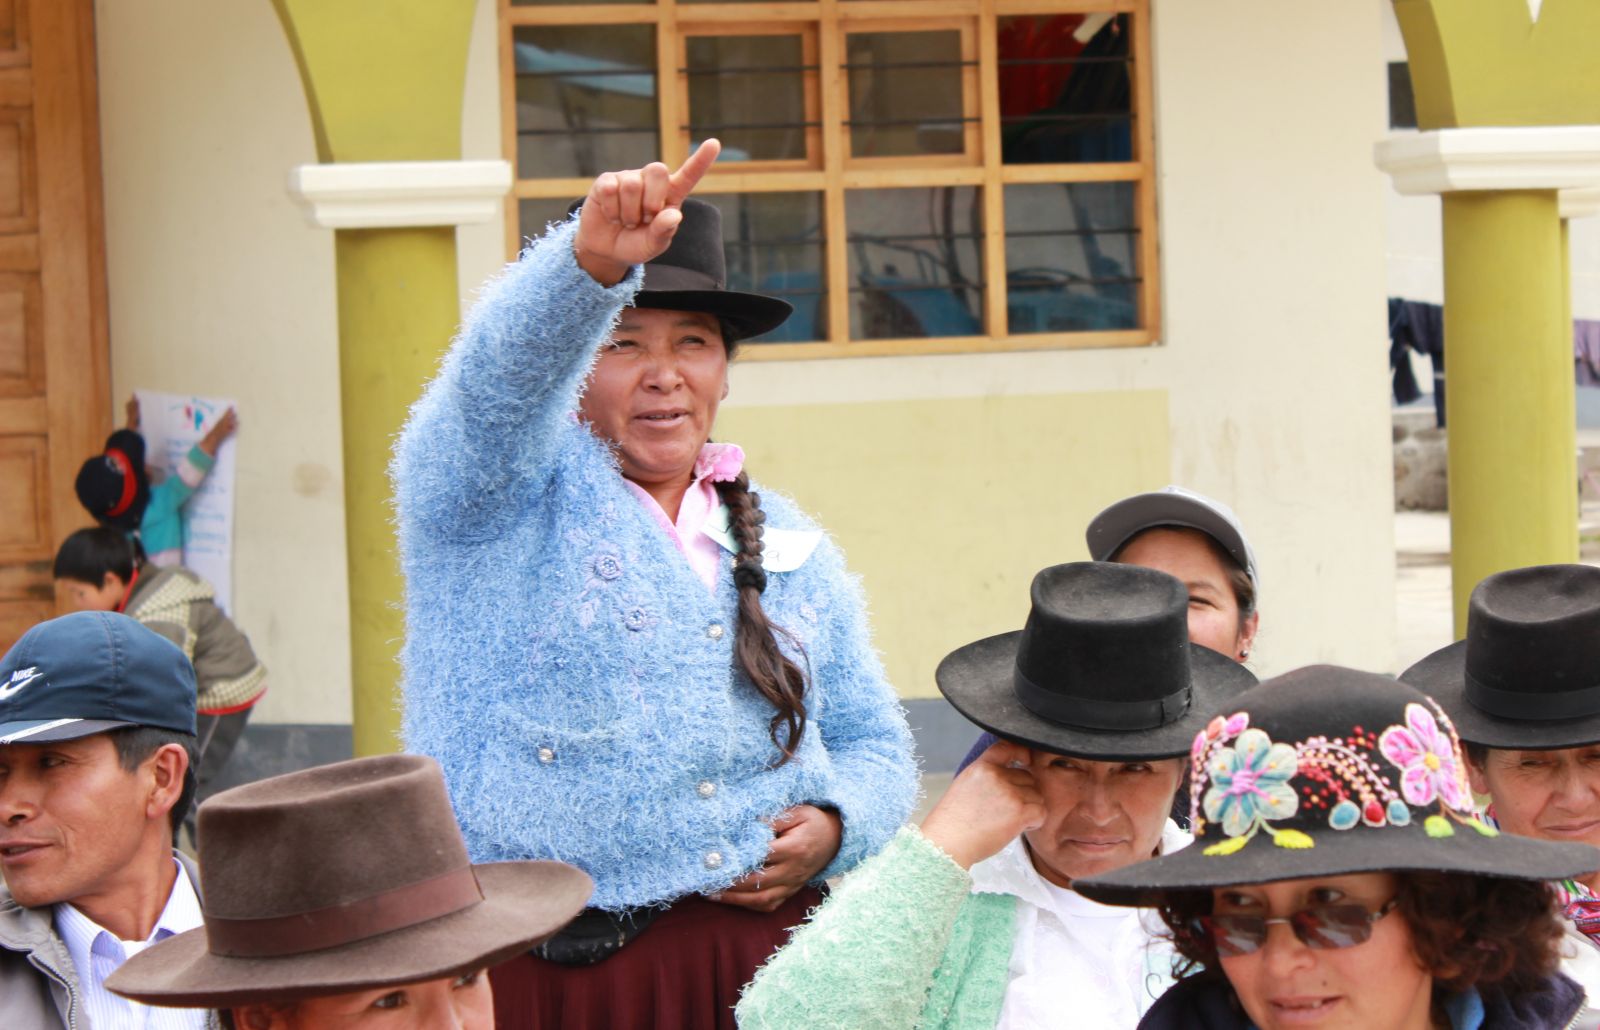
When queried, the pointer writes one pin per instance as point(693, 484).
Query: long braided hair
point(755, 642)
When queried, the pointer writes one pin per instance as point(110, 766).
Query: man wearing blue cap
point(97, 743)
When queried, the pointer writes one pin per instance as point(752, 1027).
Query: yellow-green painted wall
point(946, 508)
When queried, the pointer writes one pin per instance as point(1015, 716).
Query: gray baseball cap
point(1170, 506)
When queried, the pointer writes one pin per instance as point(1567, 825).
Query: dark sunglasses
point(1321, 926)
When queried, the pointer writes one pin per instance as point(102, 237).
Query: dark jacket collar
point(1207, 1003)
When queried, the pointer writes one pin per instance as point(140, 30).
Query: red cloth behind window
point(1027, 88)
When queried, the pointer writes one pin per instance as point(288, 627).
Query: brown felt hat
point(342, 878)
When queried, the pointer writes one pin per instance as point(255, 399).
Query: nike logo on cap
point(19, 679)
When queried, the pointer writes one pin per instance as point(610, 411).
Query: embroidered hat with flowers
point(1326, 771)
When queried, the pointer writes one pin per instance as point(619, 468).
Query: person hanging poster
point(172, 424)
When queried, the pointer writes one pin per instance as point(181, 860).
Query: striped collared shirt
point(97, 953)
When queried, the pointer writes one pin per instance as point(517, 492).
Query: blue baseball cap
point(90, 672)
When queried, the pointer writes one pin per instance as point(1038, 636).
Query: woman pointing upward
point(622, 655)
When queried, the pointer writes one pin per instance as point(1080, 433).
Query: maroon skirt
point(683, 972)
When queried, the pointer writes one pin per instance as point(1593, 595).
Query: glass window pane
point(1072, 257)
point(905, 93)
point(916, 262)
point(749, 92)
point(534, 215)
point(1065, 95)
point(773, 243)
point(586, 99)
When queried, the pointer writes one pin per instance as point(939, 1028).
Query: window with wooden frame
point(915, 176)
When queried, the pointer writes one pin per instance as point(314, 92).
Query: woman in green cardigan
point(971, 920)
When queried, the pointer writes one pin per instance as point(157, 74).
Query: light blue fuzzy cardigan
point(560, 661)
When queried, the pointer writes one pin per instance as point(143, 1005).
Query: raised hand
point(993, 801)
point(219, 431)
point(630, 217)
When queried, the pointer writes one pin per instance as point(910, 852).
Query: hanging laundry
point(1418, 326)
point(1586, 351)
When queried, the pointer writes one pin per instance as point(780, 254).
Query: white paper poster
point(171, 424)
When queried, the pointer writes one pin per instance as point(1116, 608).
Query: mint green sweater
point(902, 943)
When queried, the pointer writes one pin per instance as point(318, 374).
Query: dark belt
point(595, 935)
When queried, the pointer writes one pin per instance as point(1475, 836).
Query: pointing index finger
point(683, 181)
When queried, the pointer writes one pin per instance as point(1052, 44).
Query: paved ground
point(1422, 593)
point(1422, 577)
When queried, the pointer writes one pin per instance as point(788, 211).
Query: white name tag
point(782, 550)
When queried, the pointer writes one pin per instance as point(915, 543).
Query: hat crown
point(695, 247)
point(1105, 647)
point(1327, 750)
point(692, 275)
point(1533, 643)
point(255, 840)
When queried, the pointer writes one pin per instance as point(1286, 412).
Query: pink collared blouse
point(718, 463)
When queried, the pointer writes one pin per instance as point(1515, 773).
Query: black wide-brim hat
point(1103, 669)
point(692, 275)
point(1527, 676)
point(347, 877)
point(1327, 771)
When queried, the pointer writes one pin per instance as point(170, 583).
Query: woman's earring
point(1243, 654)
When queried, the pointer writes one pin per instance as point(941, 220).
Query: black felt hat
point(1527, 676)
point(1103, 668)
point(1326, 771)
point(113, 486)
point(692, 275)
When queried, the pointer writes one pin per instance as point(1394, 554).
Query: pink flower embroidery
point(1426, 756)
point(720, 462)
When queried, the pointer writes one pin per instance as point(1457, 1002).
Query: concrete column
point(1508, 97)
point(384, 81)
point(397, 310)
point(1508, 387)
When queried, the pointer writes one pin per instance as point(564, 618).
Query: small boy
point(101, 570)
point(115, 486)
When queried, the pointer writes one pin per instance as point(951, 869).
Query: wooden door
point(54, 393)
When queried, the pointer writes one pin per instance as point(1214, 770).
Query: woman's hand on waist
point(630, 217)
point(807, 839)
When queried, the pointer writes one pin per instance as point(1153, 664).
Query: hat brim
point(1341, 852)
point(45, 731)
point(523, 903)
point(977, 681)
point(1443, 677)
point(748, 314)
point(1129, 517)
